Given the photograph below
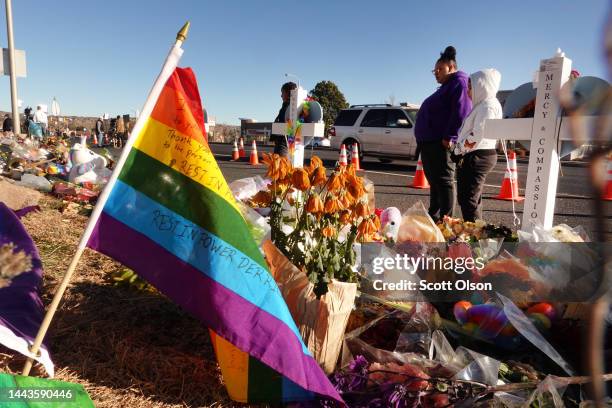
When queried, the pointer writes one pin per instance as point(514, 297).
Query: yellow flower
point(314, 205)
point(300, 179)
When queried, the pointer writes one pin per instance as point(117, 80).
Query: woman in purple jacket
point(436, 129)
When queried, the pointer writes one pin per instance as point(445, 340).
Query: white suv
point(383, 131)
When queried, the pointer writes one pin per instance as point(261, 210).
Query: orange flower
point(335, 182)
point(362, 209)
point(314, 205)
point(262, 198)
point(345, 217)
point(315, 163)
point(377, 222)
point(278, 166)
point(329, 232)
point(318, 177)
point(300, 179)
point(367, 229)
point(346, 200)
point(350, 170)
point(332, 205)
point(355, 186)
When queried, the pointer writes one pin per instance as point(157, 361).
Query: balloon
point(540, 321)
point(543, 308)
point(460, 311)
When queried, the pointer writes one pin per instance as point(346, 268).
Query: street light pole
point(11, 50)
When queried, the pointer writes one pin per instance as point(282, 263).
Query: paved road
point(573, 206)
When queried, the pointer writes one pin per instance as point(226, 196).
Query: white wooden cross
point(544, 131)
point(308, 130)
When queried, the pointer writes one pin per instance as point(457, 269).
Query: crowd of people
point(36, 126)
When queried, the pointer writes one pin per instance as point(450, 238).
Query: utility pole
point(11, 50)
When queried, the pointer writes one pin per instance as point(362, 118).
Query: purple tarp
point(21, 309)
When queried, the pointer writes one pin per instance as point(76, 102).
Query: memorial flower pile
point(458, 230)
point(316, 219)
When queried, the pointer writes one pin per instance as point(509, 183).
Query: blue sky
point(102, 56)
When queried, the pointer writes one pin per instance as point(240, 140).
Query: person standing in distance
point(100, 131)
point(476, 153)
point(280, 141)
point(436, 129)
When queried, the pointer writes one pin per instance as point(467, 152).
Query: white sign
point(544, 130)
point(542, 174)
point(20, 63)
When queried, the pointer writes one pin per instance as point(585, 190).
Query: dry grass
point(127, 348)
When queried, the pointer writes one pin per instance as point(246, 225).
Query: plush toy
point(390, 220)
point(87, 166)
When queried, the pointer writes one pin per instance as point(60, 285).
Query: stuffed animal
point(390, 220)
point(87, 166)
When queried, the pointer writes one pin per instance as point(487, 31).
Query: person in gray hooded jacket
point(476, 153)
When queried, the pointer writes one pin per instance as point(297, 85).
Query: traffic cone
point(254, 160)
point(95, 140)
point(608, 192)
point(241, 149)
point(509, 188)
point(235, 154)
point(419, 180)
point(355, 156)
point(342, 160)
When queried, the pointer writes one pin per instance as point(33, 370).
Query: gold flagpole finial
point(182, 35)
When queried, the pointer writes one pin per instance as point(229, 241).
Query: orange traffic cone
point(95, 140)
point(608, 192)
point(241, 149)
point(342, 161)
point(509, 188)
point(355, 156)
point(254, 160)
point(419, 181)
point(235, 154)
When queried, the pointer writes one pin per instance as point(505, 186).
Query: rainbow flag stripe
point(172, 218)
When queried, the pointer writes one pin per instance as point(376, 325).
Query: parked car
point(317, 141)
point(381, 130)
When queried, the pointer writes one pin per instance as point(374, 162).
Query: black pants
point(472, 171)
point(280, 146)
point(439, 170)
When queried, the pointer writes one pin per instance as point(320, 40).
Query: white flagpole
point(168, 68)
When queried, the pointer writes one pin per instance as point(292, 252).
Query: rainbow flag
point(170, 216)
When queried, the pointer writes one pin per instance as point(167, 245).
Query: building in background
point(250, 130)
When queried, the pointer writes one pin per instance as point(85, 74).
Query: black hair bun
point(449, 53)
